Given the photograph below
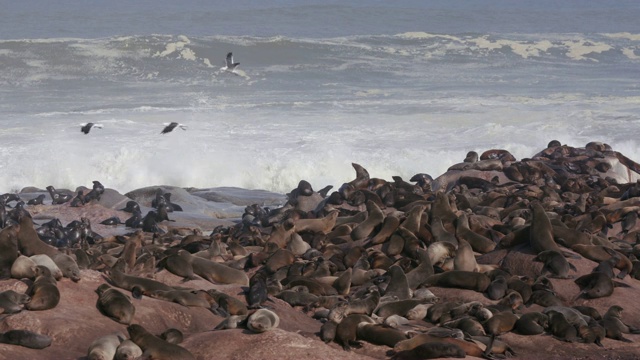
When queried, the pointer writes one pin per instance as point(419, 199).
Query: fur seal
point(432, 350)
point(555, 263)
point(218, 273)
point(612, 322)
point(478, 242)
point(262, 320)
point(172, 336)
point(23, 267)
point(11, 302)
point(128, 350)
point(45, 260)
point(155, 348)
point(498, 288)
point(595, 285)
point(460, 279)
point(375, 217)
point(379, 334)
point(560, 328)
point(8, 248)
point(231, 322)
point(195, 298)
point(29, 242)
point(43, 292)
point(541, 231)
point(499, 323)
point(25, 338)
point(298, 296)
point(104, 348)
point(346, 331)
point(128, 282)
point(37, 200)
point(67, 265)
point(228, 303)
point(115, 304)
point(464, 259)
point(398, 285)
point(599, 253)
point(424, 269)
point(365, 305)
point(532, 323)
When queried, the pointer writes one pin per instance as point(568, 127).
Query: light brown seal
point(23, 267)
point(262, 320)
point(128, 350)
point(155, 348)
point(104, 348)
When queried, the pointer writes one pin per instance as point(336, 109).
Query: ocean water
point(400, 87)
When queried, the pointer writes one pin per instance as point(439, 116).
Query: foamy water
point(413, 96)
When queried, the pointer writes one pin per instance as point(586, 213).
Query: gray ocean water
point(400, 87)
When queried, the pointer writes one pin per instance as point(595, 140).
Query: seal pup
point(37, 200)
point(115, 304)
point(555, 263)
point(58, 197)
point(131, 207)
point(532, 323)
point(155, 348)
point(230, 66)
point(25, 338)
point(346, 330)
point(596, 285)
point(172, 125)
point(262, 320)
point(128, 350)
point(11, 302)
point(44, 292)
point(612, 322)
point(232, 322)
point(104, 348)
point(172, 336)
point(560, 328)
point(86, 127)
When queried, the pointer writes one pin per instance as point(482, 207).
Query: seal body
point(115, 304)
point(44, 292)
point(262, 320)
point(155, 348)
point(25, 338)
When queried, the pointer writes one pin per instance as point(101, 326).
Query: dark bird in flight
point(87, 127)
point(169, 127)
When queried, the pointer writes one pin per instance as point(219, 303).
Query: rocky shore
point(373, 268)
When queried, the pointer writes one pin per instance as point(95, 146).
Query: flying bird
point(230, 65)
point(87, 127)
point(169, 127)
